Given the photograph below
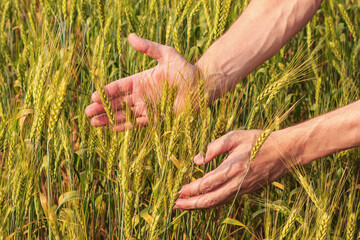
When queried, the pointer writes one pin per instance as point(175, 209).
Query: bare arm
point(296, 145)
point(261, 31)
point(263, 28)
point(327, 134)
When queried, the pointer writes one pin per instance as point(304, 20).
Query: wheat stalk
point(64, 8)
point(351, 226)
point(101, 11)
point(57, 106)
point(82, 10)
point(112, 154)
point(289, 223)
point(39, 120)
point(72, 10)
point(322, 231)
point(317, 93)
point(206, 11)
point(128, 213)
point(101, 92)
point(169, 108)
point(128, 19)
point(224, 15)
point(335, 51)
point(259, 142)
point(347, 21)
point(220, 127)
point(168, 30)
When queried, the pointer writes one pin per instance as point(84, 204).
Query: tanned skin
point(259, 33)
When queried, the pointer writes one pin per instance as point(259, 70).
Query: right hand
point(222, 184)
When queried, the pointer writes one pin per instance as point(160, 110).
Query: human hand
point(221, 185)
point(133, 90)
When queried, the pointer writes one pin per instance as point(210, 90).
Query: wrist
point(217, 81)
point(287, 148)
point(323, 135)
point(275, 157)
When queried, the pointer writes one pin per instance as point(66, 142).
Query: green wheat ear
point(128, 19)
point(169, 108)
point(101, 12)
point(348, 21)
point(108, 184)
point(221, 18)
point(72, 11)
point(220, 127)
point(99, 76)
point(82, 10)
point(64, 8)
point(190, 19)
point(323, 226)
point(114, 145)
point(351, 226)
point(259, 142)
point(128, 213)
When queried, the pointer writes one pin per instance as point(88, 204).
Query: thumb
point(152, 49)
point(215, 148)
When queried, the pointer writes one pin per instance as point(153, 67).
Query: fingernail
point(198, 158)
point(94, 122)
point(181, 190)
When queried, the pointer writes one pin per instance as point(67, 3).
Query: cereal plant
point(62, 178)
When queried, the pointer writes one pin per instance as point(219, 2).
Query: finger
point(103, 119)
point(117, 88)
point(116, 103)
point(140, 121)
point(230, 168)
point(215, 148)
point(152, 49)
point(120, 117)
point(220, 195)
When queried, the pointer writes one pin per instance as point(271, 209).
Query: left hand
point(221, 185)
point(133, 90)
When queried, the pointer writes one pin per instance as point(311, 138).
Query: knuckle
point(209, 151)
point(210, 146)
point(234, 188)
point(235, 168)
point(209, 202)
point(233, 138)
point(240, 166)
point(205, 186)
point(216, 144)
point(233, 133)
point(146, 46)
point(169, 50)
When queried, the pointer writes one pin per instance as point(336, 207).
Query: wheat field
point(62, 178)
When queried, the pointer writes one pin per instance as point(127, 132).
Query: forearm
point(262, 29)
point(324, 135)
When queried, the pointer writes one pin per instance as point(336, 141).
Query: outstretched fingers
point(152, 49)
point(220, 195)
point(215, 148)
point(96, 108)
point(140, 121)
point(139, 110)
point(103, 119)
point(118, 88)
point(230, 168)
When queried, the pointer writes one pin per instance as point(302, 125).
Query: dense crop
point(62, 178)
